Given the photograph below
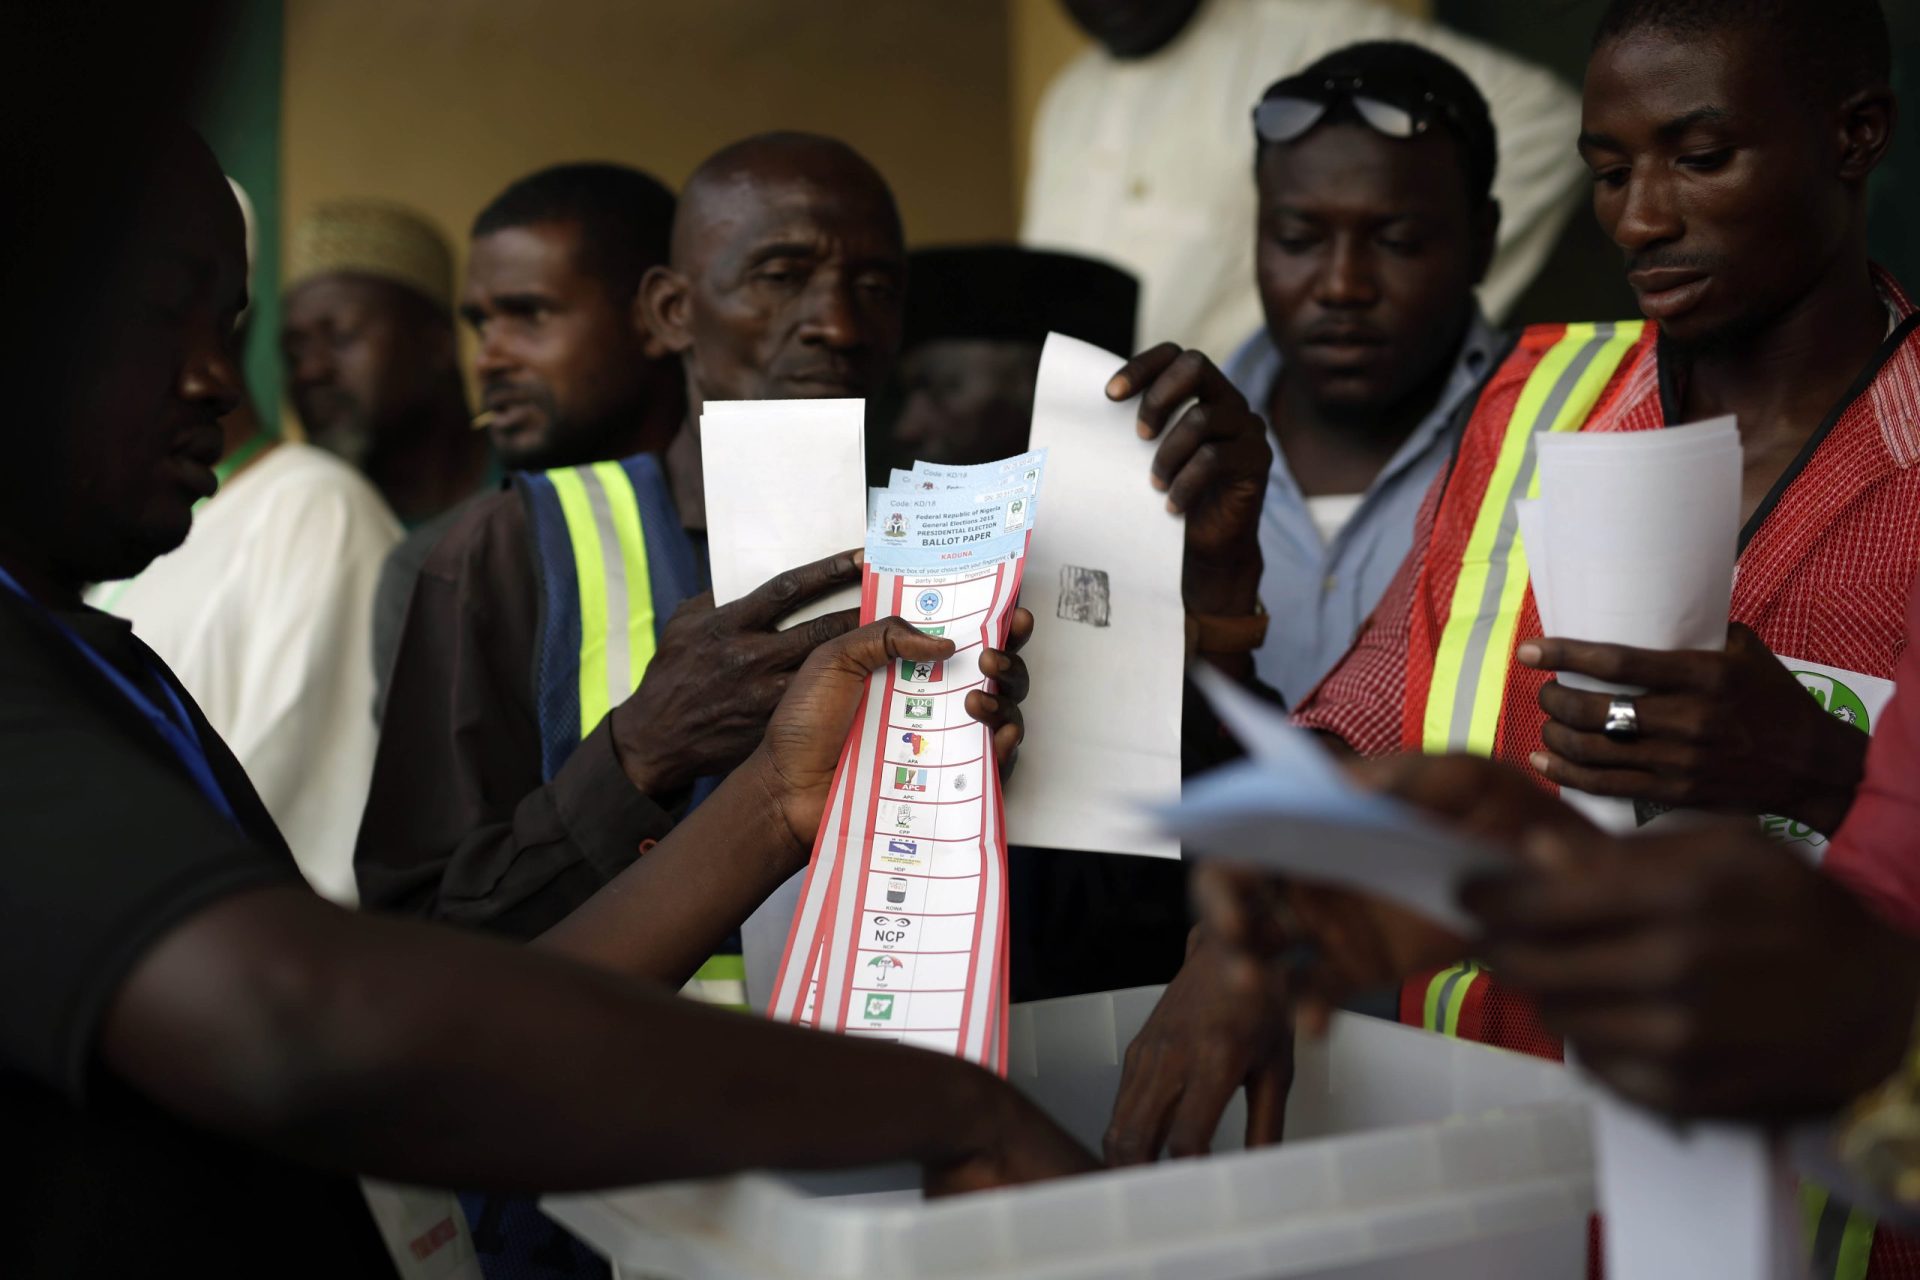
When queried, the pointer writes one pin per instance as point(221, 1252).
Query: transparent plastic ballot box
point(1406, 1155)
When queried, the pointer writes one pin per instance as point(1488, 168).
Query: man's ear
point(1486, 238)
point(650, 345)
point(660, 311)
point(1867, 121)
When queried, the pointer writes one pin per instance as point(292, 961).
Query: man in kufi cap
point(372, 364)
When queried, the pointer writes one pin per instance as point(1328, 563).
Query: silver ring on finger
point(1623, 721)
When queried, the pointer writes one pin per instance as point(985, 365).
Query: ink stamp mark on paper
point(1084, 596)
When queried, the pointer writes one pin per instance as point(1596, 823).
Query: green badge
point(1842, 703)
point(879, 1008)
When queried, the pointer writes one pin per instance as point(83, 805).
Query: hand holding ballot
point(719, 669)
point(1707, 973)
point(1732, 730)
point(1338, 940)
point(1212, 464)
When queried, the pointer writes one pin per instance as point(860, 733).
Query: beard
point(336, 422)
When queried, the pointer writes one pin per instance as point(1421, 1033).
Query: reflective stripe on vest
point(722, 980)
point(607, 584)
point(610, 571)
point(1471, 662)
point(1447, 994)
point(605, 589)
point(1839, 1239)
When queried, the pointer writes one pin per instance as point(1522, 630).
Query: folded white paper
point(1711, 1202)
point(785, 485)
point(1103, 582)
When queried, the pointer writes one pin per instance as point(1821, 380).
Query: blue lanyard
point(175, 729)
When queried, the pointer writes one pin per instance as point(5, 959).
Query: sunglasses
point(1287, 114)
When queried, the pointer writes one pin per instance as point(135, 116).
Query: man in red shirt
point(1741, 213)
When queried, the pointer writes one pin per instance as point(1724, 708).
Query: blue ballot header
point(937, 520)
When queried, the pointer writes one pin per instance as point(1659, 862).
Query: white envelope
point(785, 484)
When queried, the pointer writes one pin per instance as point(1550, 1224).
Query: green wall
point(239, 115)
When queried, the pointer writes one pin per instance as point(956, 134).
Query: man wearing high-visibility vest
point(532, 748)
point(1740, 208)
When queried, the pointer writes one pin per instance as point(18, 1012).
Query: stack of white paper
point(1633, 541)
point(1103, 582)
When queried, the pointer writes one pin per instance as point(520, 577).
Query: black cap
point(1006, 292)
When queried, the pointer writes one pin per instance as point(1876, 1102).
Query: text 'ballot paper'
point(785, 485)
point(1103, 582)
point(1291, 809)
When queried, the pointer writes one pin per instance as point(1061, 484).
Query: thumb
point(879, 642)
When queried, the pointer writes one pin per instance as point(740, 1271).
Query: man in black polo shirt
point(190, 1036)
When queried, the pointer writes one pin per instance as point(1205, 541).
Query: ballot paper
point(1632, 540)
point(1290, 808)
point(1103, 582)
point(901, 928)
point(785, 485)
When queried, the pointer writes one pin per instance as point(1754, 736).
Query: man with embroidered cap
point(977, 316)
point(263, 614)
point(372, 366)
point(1740, 212)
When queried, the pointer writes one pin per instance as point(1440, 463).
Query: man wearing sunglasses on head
point(1375, 171)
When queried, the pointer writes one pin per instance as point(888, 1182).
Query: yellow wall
point(440, 103)
point(1041, 40)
